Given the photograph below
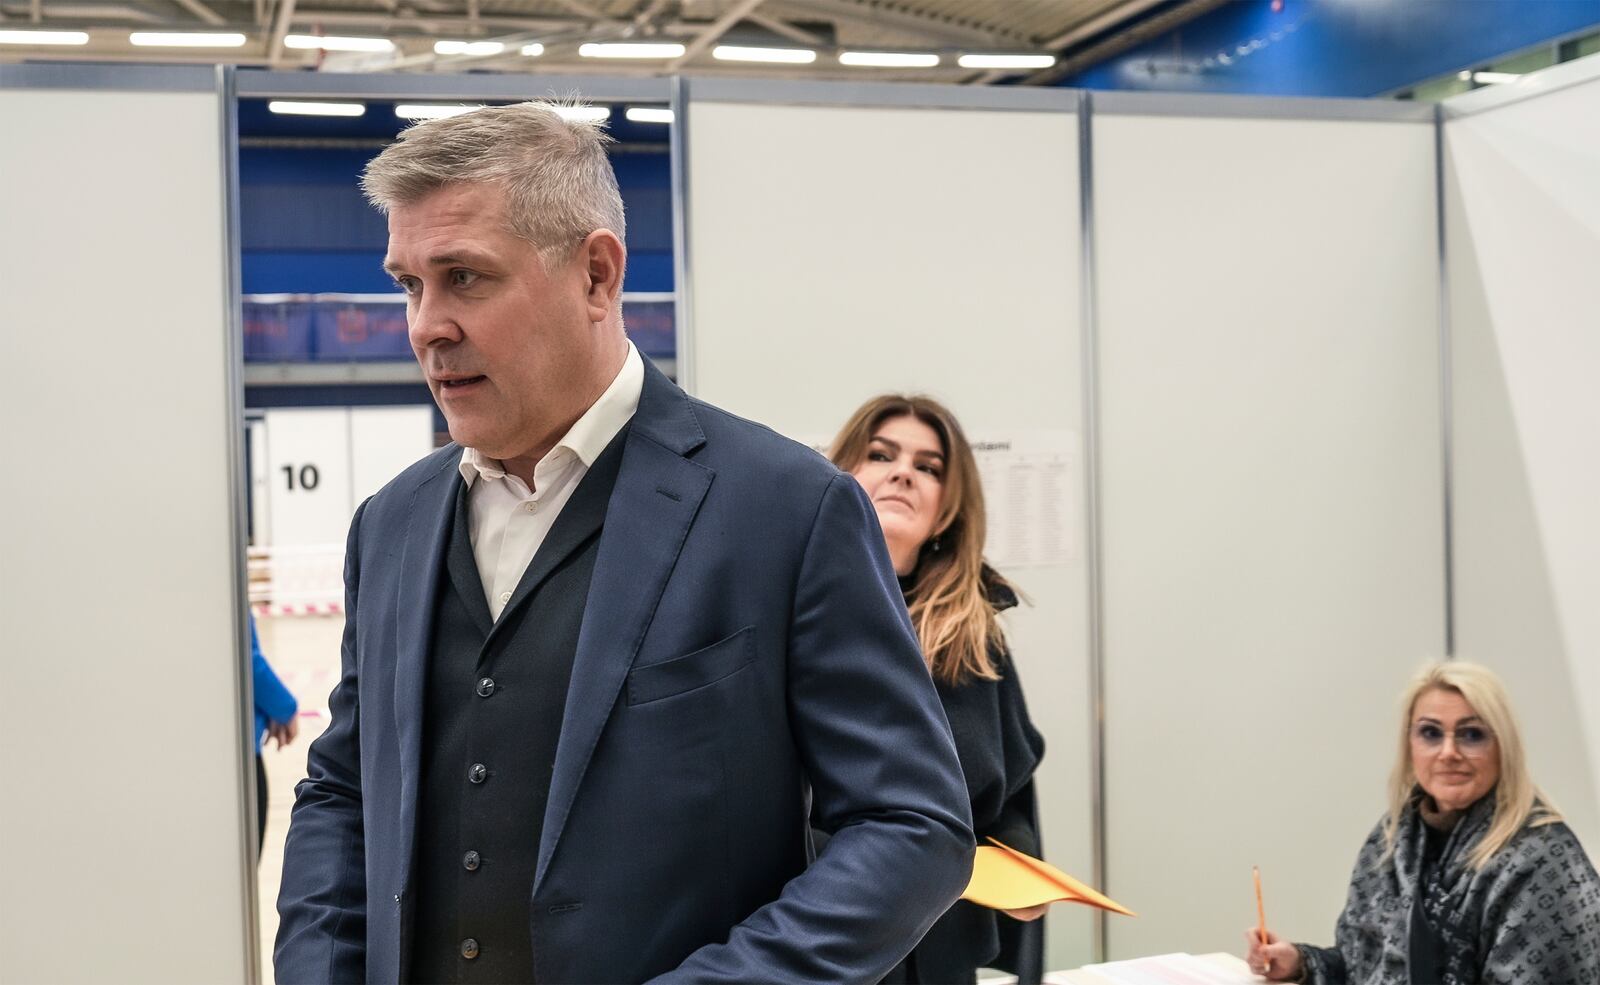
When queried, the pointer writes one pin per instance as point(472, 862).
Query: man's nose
point(431, 321)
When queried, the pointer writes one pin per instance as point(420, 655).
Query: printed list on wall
point(1032, 488)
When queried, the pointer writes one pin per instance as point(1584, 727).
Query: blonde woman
point(1470, 876)
point(911, 457)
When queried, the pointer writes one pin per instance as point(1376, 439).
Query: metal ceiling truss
point(1078, 32)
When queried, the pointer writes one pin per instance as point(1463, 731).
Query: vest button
point(469, 948)
point(486, 687)
point(477, 773)
point(470, 861)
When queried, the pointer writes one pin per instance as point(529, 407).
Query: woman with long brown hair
point(911, 457)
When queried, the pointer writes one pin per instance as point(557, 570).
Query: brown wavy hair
point(951, 586)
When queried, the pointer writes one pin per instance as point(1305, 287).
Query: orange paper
point(1006, 879)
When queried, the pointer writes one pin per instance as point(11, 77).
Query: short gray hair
point(558, 180)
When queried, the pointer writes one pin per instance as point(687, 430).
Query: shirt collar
point(589, 434)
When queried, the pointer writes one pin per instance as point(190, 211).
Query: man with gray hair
point(611, 652)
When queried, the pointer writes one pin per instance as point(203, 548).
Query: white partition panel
point(1272, 506)
point(1522, 215)
point(838, 252)
point(123, 848)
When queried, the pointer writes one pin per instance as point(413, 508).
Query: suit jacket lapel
point(657, 493)
point(462, 565)
point(422, 562)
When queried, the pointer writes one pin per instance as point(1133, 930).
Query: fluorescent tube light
point(44, 37)
point(294, 108)
point(431, 111)
point(741, 53)
point(648, 114)
point(189, 39)
point(336, 43)
point(1006, 61)
point(584, 114)
point(889, 59)
point(631, 49)
point(533, 50)
point(1495, 78)
point(476, 48)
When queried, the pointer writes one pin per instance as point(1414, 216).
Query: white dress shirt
point(508, 520)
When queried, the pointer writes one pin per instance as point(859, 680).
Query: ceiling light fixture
point(1006, 61)
point(889, 59)
point(189, 39)
point(648, 114)
point(336, 43)
point(533, 50)
point(631, 49)
point(44, 37)
point(294, 108)
point(1489, 78)
point(431, 111)
point(742, 53)
point(477, 49)
point(584, 114)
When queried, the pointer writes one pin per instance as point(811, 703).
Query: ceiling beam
point(280, 28)
point(583, 10)
point(201, 11)
point(715, 30)
point(785, 29)
point(445, 22)
point(934, 31)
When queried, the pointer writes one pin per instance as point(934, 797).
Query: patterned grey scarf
point(1532, 914)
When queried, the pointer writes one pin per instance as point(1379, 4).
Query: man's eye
point(462, 278)
point(406, 284)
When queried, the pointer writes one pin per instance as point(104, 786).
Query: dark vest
point(492, 718)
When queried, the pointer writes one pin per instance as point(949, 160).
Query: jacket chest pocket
point(703, 667)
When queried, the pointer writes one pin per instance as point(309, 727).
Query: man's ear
point(603, 258)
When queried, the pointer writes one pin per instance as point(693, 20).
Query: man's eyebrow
point(441, 260)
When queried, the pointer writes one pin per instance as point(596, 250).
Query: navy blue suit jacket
point(744, 641)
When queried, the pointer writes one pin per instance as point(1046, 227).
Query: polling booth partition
point(1273, 399)
point(921, 239)
point(127, 836)
point(1522, 222)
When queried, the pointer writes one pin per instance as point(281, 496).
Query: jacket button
point(470, 861)
point(469, 948)
point(486, 687)
point(477, 773)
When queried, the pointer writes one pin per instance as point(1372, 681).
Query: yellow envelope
point(1006, 879)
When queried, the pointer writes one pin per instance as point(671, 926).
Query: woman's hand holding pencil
point(1269, 956)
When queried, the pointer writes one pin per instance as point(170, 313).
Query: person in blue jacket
point(276, 712)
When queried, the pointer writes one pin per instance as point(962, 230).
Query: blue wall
point(305, 228)
point(1352, 48)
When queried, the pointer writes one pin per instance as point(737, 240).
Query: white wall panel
point(122, 837)
point(1272, 506)
point(1523, 224)
point(836, 253)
